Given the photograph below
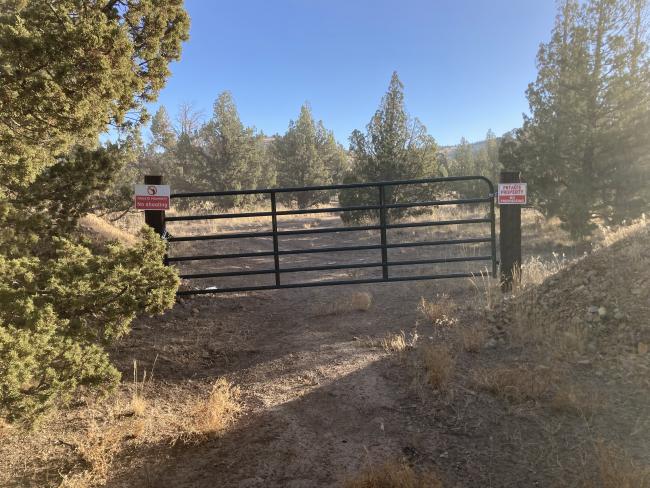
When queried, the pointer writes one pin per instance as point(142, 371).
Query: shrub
point(56, 315)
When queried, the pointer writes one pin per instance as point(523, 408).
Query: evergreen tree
point(394, 147)
point(307, 155)
point(489, 165)
point(69, 69)
point(584, 148)
point(464, 162)
point(163, 136)
point(234, 155)
point(334, 156)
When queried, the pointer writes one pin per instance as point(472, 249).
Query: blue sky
point(465, 64)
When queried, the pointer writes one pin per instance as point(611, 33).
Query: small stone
point(602, 312)
point(593, 309)
point(195, 311)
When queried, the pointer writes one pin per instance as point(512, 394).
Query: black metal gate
point(381, 208)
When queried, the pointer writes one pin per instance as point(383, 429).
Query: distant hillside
point(449, 151)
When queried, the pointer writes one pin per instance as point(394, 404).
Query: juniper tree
point(234, 156)
point(465, 162)
point(307, 155)
point(394, 147)
point(584, 149)
point(70, 69)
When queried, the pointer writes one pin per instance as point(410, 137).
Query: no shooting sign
point(152, 197)
point(513, 194)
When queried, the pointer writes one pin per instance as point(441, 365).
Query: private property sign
point(152, 197)
point(512, 194)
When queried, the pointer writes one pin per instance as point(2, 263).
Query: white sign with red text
point(513, 194)
point(152, 197)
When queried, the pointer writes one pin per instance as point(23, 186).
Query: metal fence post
point(510, 235)
point(155, 218)
point(274, 225)
point(382, 224)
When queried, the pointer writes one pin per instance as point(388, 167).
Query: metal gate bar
point(383, 226)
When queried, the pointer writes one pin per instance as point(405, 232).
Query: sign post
point(153, 198)
point(512, 195)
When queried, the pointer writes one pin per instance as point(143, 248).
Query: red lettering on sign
point(149, 202)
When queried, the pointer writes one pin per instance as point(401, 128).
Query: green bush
point(57, 314)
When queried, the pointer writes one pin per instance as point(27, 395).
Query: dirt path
point(320, 403)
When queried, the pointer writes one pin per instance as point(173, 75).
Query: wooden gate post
point(510, 235)
point(155, 218)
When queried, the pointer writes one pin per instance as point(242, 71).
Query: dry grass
point(567, 399)
point(606, 236)
point(361, 300)
point(103, 231)
point(438, 363)
point(393, 342)
point(535, 270)
point(393, 475)
point(515, 384)
point(80, 447)
point(439, 311)
point(529, 327)
point(487, 289)
point(96, 449)
point(216, 412)
point(617, 470)
point(138, 403)
point(473, 339)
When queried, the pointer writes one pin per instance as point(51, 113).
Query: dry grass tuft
point(439, 311)
point(96, 449)
point(438, 362)
point(393, 475)
point(138, 403)
point(215, 413)
point(606, 236)
point(515, 384)
point(473, 339)
point(617, 470)
point(535, 270)
point(394, 342)
point(487, 289)
point(361, 301)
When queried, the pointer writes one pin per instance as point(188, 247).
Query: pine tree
point(394, 147)
point(307, 155)
point(69, 69)
point(584, 150)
